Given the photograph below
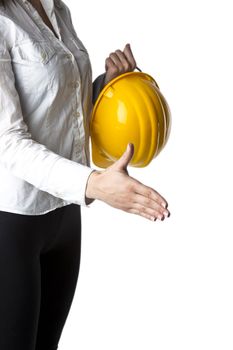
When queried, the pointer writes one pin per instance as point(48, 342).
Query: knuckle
point(148, 202)
point(119, 69)
point(143, 209)
point(114, 69)
point(149, 193)
point(130, 188)
point(162, 211)
point(126, 66)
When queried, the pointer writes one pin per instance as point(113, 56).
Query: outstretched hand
point(115, 187)
point(119, 62)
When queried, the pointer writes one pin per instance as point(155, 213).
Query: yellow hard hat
point(130, 108)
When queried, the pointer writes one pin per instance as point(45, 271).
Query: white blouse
point(45, 107)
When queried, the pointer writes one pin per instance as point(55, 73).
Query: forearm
point(98, 85)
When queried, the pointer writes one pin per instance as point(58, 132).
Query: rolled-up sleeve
point(27, 159)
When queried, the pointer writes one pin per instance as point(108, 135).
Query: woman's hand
point(115, 187)
point(119, 62)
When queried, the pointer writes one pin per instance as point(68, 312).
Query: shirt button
point(69, 55)
point(76, 114)
point(74, 84)
point(43, 56)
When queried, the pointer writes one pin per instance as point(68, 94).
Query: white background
point(164, 285)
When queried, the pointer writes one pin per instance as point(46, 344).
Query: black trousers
point(39, 266)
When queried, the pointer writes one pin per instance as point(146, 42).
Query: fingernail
point(166, 213)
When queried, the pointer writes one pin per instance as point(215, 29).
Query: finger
point(149, 193)
point(114, 57)
point(124, 61)
point(155, 213)
point(111, 70)
point(143, 214)
point(129, 55)
point(109, 64)
point(123, 161)
point(151, 206)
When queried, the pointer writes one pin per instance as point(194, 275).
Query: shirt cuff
point(68, 180)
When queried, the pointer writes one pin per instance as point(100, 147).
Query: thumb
point(123, 161)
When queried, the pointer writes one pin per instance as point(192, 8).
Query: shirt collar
point(49, 4)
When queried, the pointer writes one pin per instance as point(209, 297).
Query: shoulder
point(61, 5)
point(64, 10)
point(58, 3)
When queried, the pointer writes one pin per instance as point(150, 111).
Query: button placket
point(75, 85)
point(69, 55)
point(78, 111)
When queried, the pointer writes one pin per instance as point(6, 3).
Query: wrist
point(91, 188)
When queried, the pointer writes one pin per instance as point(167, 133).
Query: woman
point(45, 175)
